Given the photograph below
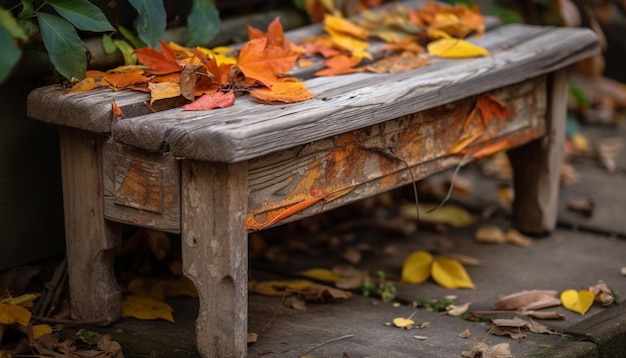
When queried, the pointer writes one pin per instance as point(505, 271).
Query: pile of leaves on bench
point(207, 79)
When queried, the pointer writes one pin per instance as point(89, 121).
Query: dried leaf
point(577, 301)
point(603, 294)
point(514, 237)
point(451, 215)
point(264, 64)
point(321, 274)
point(336, 24)
point(211, 101)
point(490, 234)
point(277, 288)
point(322, 293)
point(457, 310)
point(416, 267)
point(117, 111)
point(482, 350)
point(144, 307)
point(163, 90)
point(543, 314)
point(252, 337)
point(39, 330)
point(449, 273)
point(10, 314)
point(402, 322)
point(285, 92)
point(465, 334)
point(521, 300)
point(512, 332)
point(296, 303)
point(490, 106)
point(455, 48)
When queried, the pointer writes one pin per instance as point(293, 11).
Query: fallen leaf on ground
point(296, 303)
point(523, 300)
point(482, 350)
point(277, 288)
point(457, 310)
point(513, 332)
point(582, 206)
point(451, 215)
point(608, 151)
point(10, 314)
point(465, 334)
point(252, 337)
point(542, 314)
point(323, 293)
point(321, 274)
point(512, 236)
point(449, 273)
point(577, 301)
point(416, 267)
point(40, 329)
point(144, 307)
point(489, 234)
point(402, 322)
point(519, 322)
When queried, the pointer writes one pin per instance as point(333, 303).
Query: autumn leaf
point(335, 25)
point(455, 48)
point(452, 215)
point(416, 267)
point(265, 64)
point(449, 273)
point(41, 329)
point(144, 307)
point(491, 106)
point(163, 90)
point(445, 271)
point(323, 293)
point(160, 62)
point(321, 274)
point(577, 301)
point(10, 314)
point(117, 111)
point(285, 92)
point(526, 300)
point(211, 101)
point(482, 350)
point(277, 288)
point(340, 65)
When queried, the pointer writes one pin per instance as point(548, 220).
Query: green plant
point(55, 23)
point(387, 290)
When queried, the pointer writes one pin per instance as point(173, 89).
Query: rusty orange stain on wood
point(140, 188)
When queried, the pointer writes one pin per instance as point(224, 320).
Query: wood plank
point(215, 253)
point(537, 167)
point(347, 167)
point(249, 129)
point(141, 188)
point(90, 239)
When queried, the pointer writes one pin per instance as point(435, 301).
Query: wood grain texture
point(215, 253)
point(141, 188)
point(90, 239)
point(347, 167)
point(537, 166)
point(248, 129)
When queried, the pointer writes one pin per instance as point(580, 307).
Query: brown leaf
point(523, 299)
point(296, 303)
point(514, 237)
point(513, 332)
point(543, 314)
point(482, 350)
point(490, 234)
point(465, 334)
point(323, 293)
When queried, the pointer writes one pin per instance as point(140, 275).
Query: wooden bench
point(214, 176)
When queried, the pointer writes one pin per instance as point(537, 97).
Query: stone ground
point(580, 253)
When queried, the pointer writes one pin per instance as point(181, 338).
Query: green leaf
point(108, 45)
point(203, 23)
point(9, 23)
point(82, 14)
point(10, 54)
point(27, 10)
point(131, 37)
point(150, 23)
point(127, 51)
point(64, 46)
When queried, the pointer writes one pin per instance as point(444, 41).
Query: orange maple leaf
point(265, 64)
point(339, 65)
point(210, 101)
point(285, 92)
point(160, 63)
point(490, 106)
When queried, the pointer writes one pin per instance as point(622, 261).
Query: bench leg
point(537, 166)
point(90, 239)
point(215, 253)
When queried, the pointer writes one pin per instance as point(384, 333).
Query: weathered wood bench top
point(251, 129)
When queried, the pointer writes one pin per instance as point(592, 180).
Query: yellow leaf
point(402, 322)
point(144, 307)
point(321, 274)
point(41, 329)
point(451, 215)
point(162, 90)
point(416, 267)
point(277, 288)
point(10, 314)
point(449, 273)
point(455, 48)
point(336, 24)
point(577, 301)
point(25, 300)
point(179, 287)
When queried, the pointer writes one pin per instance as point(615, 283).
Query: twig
point(451, 188)
point(282, 301)
point(52, 290)
point(69, 322)
point(330, 341)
